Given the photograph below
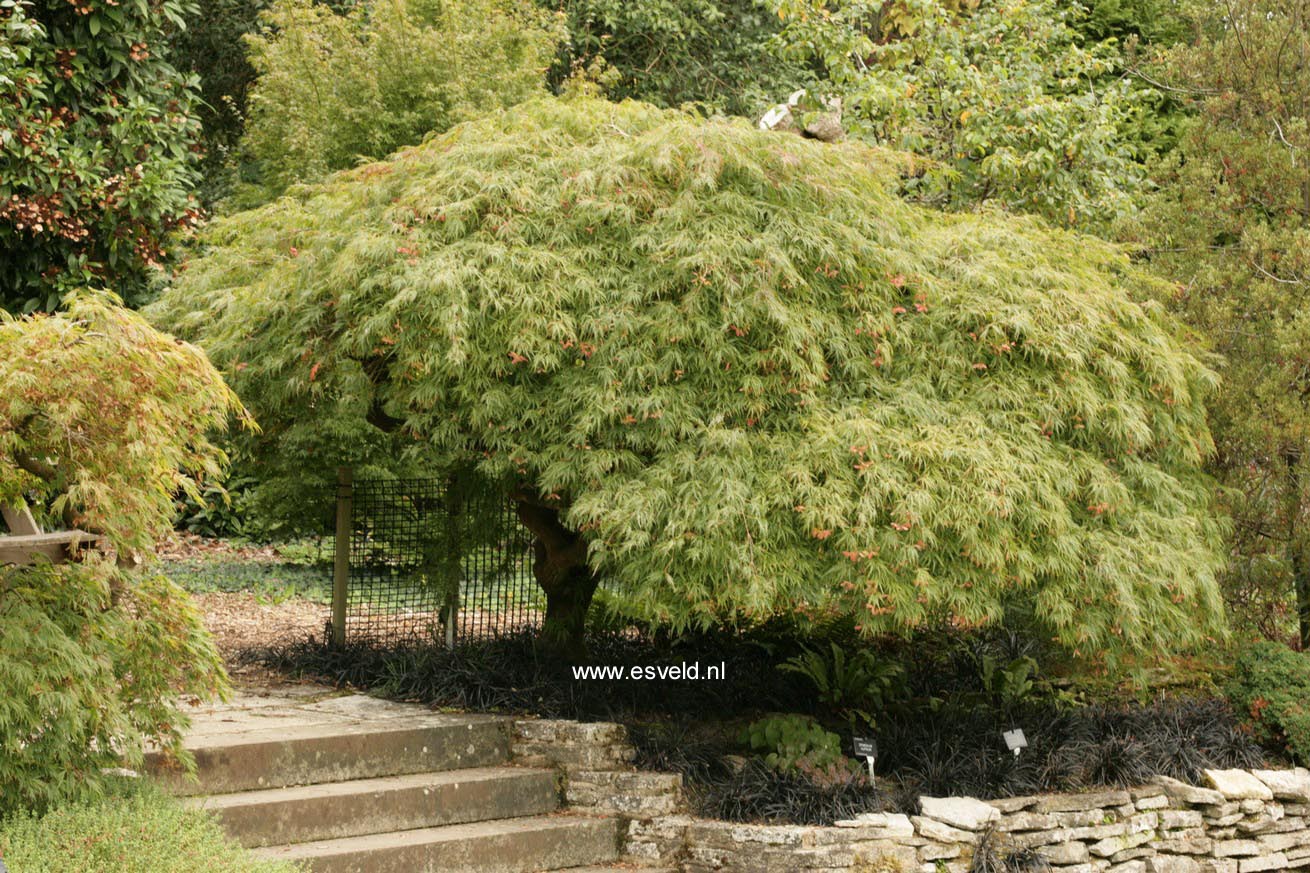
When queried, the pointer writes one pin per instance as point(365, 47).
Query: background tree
point(212, 47)
point(732, 372)
point(718, 54)
point(1008, 102)
point(97, 146)
point(1232, 224)
point(336, 88)
point(102, 420)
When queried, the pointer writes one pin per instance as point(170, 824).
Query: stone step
point(627, 867)
point(516, 845)
point(254, 758)
point(392, 803)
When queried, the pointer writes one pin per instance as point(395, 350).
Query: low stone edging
point(1246, 821)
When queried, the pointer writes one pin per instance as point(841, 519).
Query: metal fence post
point(453, 564)
point(341, 561)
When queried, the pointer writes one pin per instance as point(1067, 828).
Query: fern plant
point(853, 687)
point(1008, 684)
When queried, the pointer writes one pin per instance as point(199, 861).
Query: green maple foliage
point(1232, 225)
point(97, 146)
point(102, 419)
point(733, 373)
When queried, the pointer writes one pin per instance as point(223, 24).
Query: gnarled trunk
point(560, 567)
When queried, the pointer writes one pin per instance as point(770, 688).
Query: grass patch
point(271, 582)
point(134, 830)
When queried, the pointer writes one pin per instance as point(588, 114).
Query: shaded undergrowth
point(942, 738)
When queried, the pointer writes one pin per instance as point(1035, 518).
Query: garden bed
point(943, 738)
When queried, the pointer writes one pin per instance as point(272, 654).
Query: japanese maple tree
point(732, 373)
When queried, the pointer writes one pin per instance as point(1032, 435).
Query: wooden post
point(341, 563)
point(26, 541)
point(20, 521)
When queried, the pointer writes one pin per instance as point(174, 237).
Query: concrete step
point(391, 803)
point(307, 754)
point(516, 845)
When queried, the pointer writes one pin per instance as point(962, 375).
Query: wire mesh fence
point(435, 559)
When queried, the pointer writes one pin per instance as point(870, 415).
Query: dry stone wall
point(595, 765)
point(1246, 821)
point(1240, 822)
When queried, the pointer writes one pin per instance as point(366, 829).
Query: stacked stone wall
point(595, 765)
point(1240, 821)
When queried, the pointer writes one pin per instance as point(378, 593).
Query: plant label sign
point(1015, 741)
point(866, 748)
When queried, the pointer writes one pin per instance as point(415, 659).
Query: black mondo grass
point(947, 745)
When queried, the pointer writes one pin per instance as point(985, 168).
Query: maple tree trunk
point(561, 569)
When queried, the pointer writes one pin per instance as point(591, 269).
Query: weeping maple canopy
point(739, 370)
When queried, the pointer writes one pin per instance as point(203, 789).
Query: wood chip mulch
point(190, 547)
point(241, 623)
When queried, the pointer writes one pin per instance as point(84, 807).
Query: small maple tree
point(730, 372)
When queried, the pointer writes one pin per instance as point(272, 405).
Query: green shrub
point(334, 88)
point(90, 664)
point(1271, 685)
point(793, 743)
point(732, 373)
point(97, 130)
point(136, 831)
point(222, 510)
point(1008, 684)
point(102, 421)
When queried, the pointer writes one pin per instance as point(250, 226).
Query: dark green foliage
point(135, 829)
point(853, 686)
point(1271, 686)
point(222, 510)
point(97, 146)
point(717, 54)
point(1162, 22)
point(1008, 685)
point(213, 49)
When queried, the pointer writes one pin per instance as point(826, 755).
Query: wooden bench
point(27, 543)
